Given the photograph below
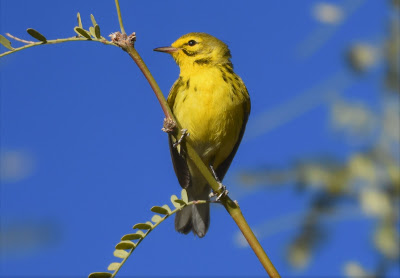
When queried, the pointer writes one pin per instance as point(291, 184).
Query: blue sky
point(86, 126)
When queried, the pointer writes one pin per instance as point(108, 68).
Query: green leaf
point(79, 20)
point(82, 32)
point(180, 202)
point(140, 233)
point(91, 30)
point(119, 253)
point(36, 35)
point(143, 226)
point(173, 199)
point(167, 208)
point(6, 43)
point(97, 31)
point(125, 244)
point(93, 20)
point(151, 224)
point(160, 210)
point(156, 218)
point(100, 275)
point(132, 236)
point(184, 196)
point(113, 266)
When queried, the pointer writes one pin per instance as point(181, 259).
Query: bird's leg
point(184, 134)
point(221, 188)
point(215, 174)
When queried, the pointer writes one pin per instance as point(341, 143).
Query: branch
point(120, 17)
point(93, 34)
point(127, 44)
point(32, 44)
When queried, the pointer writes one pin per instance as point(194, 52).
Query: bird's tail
point(194, 218)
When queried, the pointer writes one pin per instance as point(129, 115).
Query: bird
point(212, 104)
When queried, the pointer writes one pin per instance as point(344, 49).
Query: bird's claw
point(184, 134)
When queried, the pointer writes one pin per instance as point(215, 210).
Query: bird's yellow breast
point(211, 110)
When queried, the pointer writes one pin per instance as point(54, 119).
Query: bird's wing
point(224, 166)
point(172, 93)
point(178, 160)
point(180, 165)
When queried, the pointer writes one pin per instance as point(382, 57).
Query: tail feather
point(200, 219)
point(183, 220)
point(194, 218)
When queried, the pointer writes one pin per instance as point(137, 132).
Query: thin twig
point(120, 17)
point(18, 39)
point(54, 42)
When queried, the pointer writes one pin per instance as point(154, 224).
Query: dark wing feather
point(180, 166)
point(224, 166)
point(178, 160)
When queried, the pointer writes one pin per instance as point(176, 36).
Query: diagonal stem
point(160, 97)
point(120, 17)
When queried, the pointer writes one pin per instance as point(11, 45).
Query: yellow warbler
point(212, 103)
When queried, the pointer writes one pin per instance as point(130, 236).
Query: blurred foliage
point(392, 56)
point(368, 178)
point(328, 13)
point(24, 237)
point(16, 165)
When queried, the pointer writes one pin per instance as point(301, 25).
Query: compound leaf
point(97, 31)
point(91, 30)
point(36, 35)
point(180, 202)
point(132, 236)
point(184, 196)
point(6, 43)
point(160, 210)
point(167, 208)
point(139, 232)
point(100, 275)
point(93, 20)
point(120, 253)
point(125, 244)
point(82, 32)
point(156, 218)
point(79, 20)
point(143, 226)
point(113, 266)
point(173, 199)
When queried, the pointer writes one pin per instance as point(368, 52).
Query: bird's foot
point(223, 192)
point(184, 134)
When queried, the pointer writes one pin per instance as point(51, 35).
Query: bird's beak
point(167, 49)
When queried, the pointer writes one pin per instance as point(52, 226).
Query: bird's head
point(197, 49)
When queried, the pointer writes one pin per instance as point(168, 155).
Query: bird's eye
point(192, 42)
